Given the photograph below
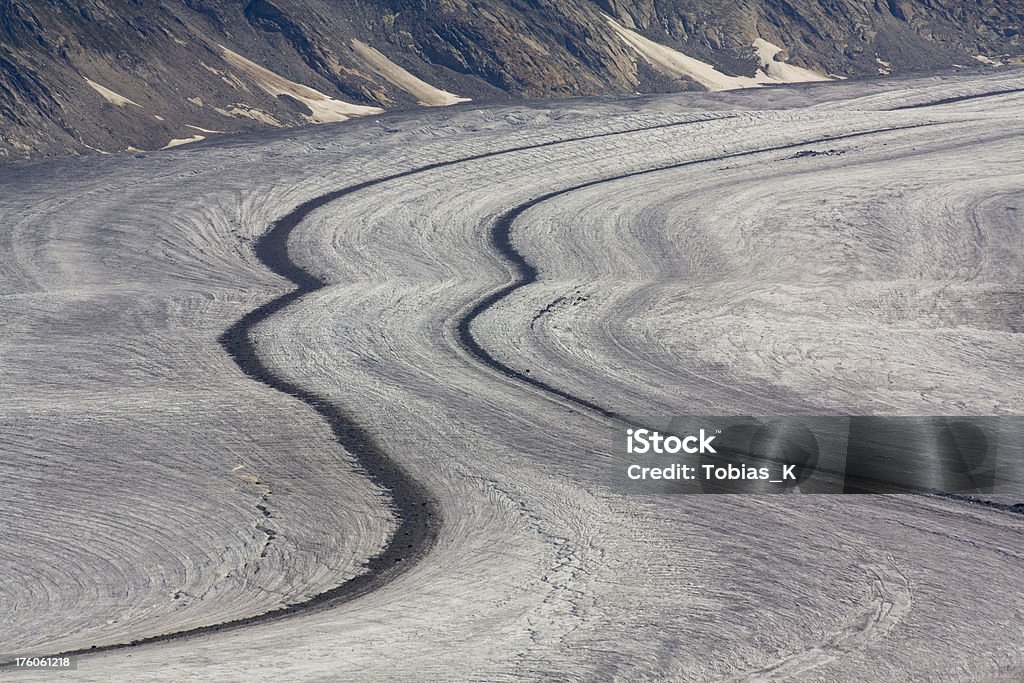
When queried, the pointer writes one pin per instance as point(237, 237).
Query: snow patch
point(780, 71)
point(245, 111)
point(203, 130)
point(95, 149)
point(324, 109)
point(228, 78)
point(426, 94)
point(987, 60)
point(111, 96)
point(675, 63)
point(183, 141)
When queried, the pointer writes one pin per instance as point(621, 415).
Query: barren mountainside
point(86, 76)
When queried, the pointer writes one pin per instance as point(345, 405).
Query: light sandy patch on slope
point(111, 96)
point(245, 111)
point(426, 94)
point(177, 142)
point(95, 149)
point(203, 130)
point(325, 109)
point(228, 78)
point(987, 60)
point(675, 63)
point(780, 71)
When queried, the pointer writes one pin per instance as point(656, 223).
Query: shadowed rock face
point(165, 65)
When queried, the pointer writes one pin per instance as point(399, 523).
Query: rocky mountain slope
point(122, 75)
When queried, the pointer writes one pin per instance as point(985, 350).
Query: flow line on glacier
point(414, 506)
point(960, 98)
point(525, 273)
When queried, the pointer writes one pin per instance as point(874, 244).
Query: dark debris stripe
point(525, 273)
point(414, 506)
point(961, 98)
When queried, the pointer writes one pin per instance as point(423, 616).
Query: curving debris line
point(526, 274)
point(413, 504)
point(960, 98)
